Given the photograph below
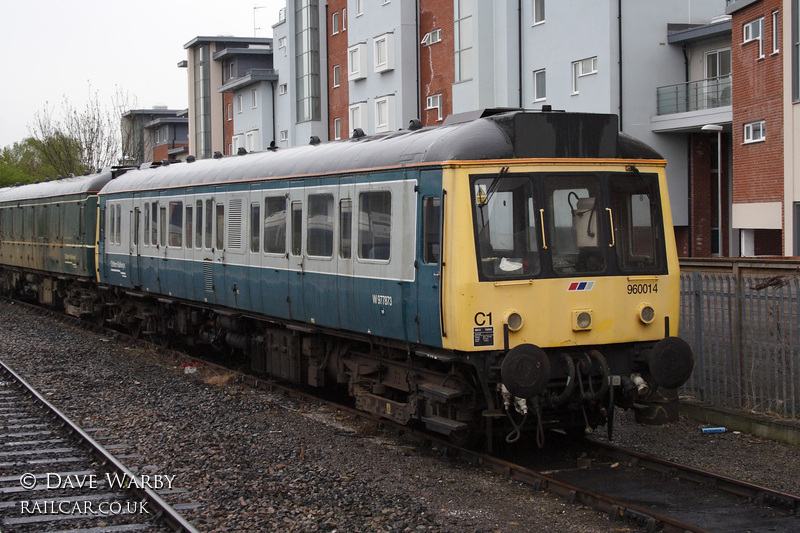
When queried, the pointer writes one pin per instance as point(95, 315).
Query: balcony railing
point(694, 96)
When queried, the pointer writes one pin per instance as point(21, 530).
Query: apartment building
point(763, 188)
point(715, 94)
point(231, 81)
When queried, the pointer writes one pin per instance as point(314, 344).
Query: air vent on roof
point(190, 159)
point(314, 140)
point(217, 155)
point(241, 151)
point(414, 124)
point(358, 132)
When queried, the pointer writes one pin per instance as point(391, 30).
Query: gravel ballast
point(256, 461)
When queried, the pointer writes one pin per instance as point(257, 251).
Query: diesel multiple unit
point(470, 277)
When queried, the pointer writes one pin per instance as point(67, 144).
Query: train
point(502, 274)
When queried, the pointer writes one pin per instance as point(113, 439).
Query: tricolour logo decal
point(580, 286)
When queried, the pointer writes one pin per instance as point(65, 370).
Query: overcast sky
point(56, 49)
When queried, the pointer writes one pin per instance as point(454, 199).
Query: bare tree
point(82, 140)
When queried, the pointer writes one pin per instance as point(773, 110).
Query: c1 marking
point(481, 319)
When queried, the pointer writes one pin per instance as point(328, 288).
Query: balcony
point(694, 96)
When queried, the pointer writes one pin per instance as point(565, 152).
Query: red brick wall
point(437, 67)
point(160, 152)
point(703, 194)
point(757, 95)
point(338, 97)
point(227, 128)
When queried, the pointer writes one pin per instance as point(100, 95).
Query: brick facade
point(338, 97)
point(758, 95)
point(703, 207)
point(437, 64)
point(227, 125)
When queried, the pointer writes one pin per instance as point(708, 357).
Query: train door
point(148, 252)
point(134, 251)
point(173, 270)
point(345, 248)
point(431, 199)
point(319, 278)
point(275, 274)
point(295, 245)
point(216, 216)
point(234, 245)
point(254, 248)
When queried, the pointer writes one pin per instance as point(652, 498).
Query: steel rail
point(165, 512)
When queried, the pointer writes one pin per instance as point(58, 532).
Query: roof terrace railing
point(694, 95)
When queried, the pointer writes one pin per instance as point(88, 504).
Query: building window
point(358, 113)
point(255, 98)
point(230, 111)
point(432, 37)
point(335, 23)
point(539, 85)
point(357, 62)
point(755, 132)
point(776, 37)
point(239, 103)
point(337, 129)
point(231, 71)
point(344, 19)
point(384, 114)
point(434, 102)
point(538, 11)
point(359, 7)
point(384, 52)
point(282, 42)
point(283, 88)
point(336, 79)
point(284, 135)
point(581, 68)
point(752, 31)
point(463, 40)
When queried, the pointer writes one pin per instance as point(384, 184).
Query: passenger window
point(198, 225)
point(431, 226)
point(175, 224)
point(154, 225)
point(297, 228)
point(118, 225)
point(162, 212)
point(374, 225)
point(147, 224)
point(220, 226)
point(136, 216)
point(345, 228)
point(189, 223)
point(255, 227)
point(275, 225)
point(209, 223)
point(319, 226)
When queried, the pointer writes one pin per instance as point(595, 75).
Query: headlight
point(514, 321)
point(582, 319)
point(646, 313)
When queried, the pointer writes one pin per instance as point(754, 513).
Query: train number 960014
point(642, 288)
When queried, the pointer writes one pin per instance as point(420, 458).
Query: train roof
point(80, 185)
point(503, 135)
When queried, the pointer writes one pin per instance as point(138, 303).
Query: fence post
point(697, 283)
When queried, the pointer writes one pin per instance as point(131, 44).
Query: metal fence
point(741, 317)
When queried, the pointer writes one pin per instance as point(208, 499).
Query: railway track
point(645, 491)
point(54, 476)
